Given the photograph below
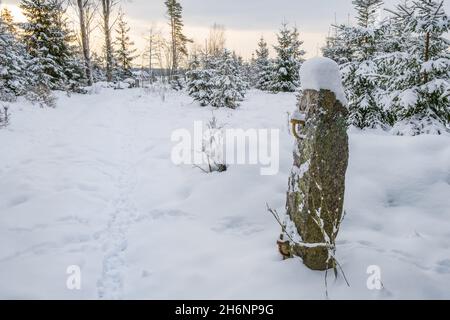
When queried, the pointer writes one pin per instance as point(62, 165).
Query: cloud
point(245, 20)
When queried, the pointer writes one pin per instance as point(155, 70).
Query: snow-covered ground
point(91, 183)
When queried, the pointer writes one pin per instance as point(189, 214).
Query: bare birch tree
point(85, 10)
point(107, 8)
point(152, 53)
point(216, 40)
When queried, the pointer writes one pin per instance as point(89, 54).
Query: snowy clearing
point(91, 183)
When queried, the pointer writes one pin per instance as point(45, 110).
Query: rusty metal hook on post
point(298, 120)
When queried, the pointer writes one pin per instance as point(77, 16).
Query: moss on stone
point(317, 196)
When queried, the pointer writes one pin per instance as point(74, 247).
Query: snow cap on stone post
point(322, 73)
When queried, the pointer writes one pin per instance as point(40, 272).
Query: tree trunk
point(427, 54)
point(174, 49)
point(85, 42)
point(106, 7)
point(315, 197)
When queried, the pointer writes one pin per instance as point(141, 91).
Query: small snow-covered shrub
point(416, 126)
point(177, 83)
point(157, 88)
point(213, 148)
point(42, 96)
point(4, 116)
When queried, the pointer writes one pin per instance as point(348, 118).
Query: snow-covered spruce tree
point(245, 69)
point(192, 75)
point(418, 70)
point(367, 11)
point(48, 41)
point(248, 73)
point(229, 87)
point(200, 79)
point(297, 50)
point(360, 73)
point(263, 67)
point(14, 77)
point(125, 53)
point(252, 71)
point(193, 79)
point(338, 46)
point(8, 21)
point(285, 72)
point(242, 71)
point(98, 71)
point(391, 64)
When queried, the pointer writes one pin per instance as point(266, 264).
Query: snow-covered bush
point(42, 96)
point(177, 82)
point(4, 115)
point(213, 146)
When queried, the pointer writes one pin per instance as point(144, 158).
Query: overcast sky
point(245, 20)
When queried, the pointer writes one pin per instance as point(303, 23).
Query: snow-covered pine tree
point(248, 73)
point(75, 71)
point(8, 21)
point(70, 54)
point(178, 39)
point(418, 70)
point(193, 79)
point(229, 87)
point(14, 77)
point(367, 11)
point(263, 67)
point(125, 53)
point(297, 51)
point(252, 71)
point(337, 45)
point(361, 73)
point(206, 77)
point(200, 78)
point(98, 71)
point(392, 62)
point(285, 72)
point(242, 70)
point(48, 42)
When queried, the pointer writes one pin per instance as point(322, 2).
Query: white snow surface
point(91, 183)
point(322, 73)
